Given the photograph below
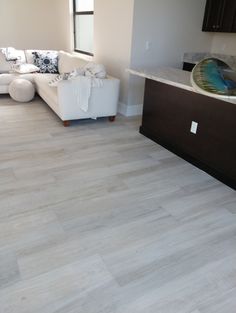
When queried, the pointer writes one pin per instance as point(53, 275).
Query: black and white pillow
point(46, 61)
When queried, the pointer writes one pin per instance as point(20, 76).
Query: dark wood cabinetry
point(167, 117)
point(234, 22)
point(220, 16)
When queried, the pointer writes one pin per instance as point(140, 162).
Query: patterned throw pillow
point(46, 61)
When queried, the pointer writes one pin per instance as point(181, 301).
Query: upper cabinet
point(220, 16)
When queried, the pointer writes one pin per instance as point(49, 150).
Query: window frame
point(78, 13)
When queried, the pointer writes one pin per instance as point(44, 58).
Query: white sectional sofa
point(62, 99)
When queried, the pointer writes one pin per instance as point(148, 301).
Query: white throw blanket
point(95, 70)
point(84, 80)
point(82, 91)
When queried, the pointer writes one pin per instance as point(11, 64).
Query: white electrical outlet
point(147, 45)
point(194, 127)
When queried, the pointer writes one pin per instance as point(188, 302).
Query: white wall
point(121, 29)
point(224, 43)
point(39, 24)
point(172, 28)
point(112, 38)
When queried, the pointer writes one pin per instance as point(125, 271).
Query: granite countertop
point(168, 75)
point(174, 77)
point(195, 57)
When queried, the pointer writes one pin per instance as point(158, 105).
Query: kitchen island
point(201, 129)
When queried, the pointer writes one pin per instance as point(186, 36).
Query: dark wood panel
point(167, 116)
point(212, 15)
point(228, 11)
point(234, 23)
point(219, 16)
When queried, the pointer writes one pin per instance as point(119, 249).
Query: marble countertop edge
point(170, 76)
point(174, 77)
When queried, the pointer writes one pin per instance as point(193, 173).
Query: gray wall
point(172, 28)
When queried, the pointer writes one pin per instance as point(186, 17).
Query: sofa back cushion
point(5, 66)
point(12, 54)
point(69, 62)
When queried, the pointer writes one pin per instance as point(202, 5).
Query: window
point(83, 26)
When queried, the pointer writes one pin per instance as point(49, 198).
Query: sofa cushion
point(3, 89)
point(30, 76)
point(46, 61)
point(42, 84)
point(25, 68)
point(68, 62)
point(7, 78)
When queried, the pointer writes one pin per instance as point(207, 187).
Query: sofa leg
point(112, 118)
point(66, 123)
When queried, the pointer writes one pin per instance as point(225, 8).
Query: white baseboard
point(130, 110)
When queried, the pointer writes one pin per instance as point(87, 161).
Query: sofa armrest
point(103, 100)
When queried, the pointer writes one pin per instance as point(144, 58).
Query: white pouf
point(21, 90)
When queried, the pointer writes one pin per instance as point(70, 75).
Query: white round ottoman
point(21, 90)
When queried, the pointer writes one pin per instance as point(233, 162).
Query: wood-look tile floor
point(96, 218)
